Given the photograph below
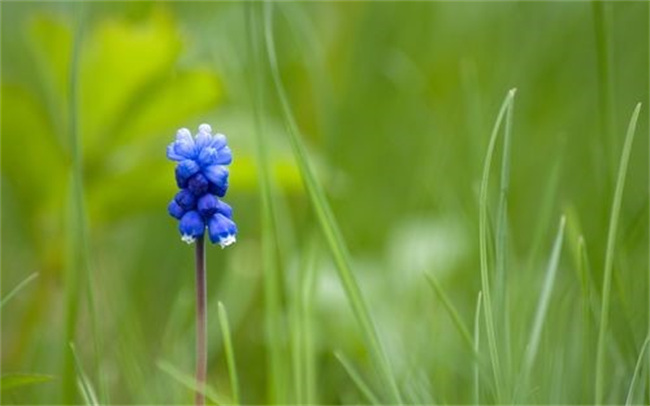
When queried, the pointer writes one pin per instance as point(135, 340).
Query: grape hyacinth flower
point(202, 176)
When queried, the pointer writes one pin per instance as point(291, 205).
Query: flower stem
point(201, 323)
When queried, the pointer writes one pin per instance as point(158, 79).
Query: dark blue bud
point(216, 174)
point(184, 170)
point(224, 209)
point(222, 230)
point(191, 226)
point(185, 199)
point(219, 190)
point(207, 205)
point(224, 156)
point(198, 184)
point(175, 210)
point(208, 156)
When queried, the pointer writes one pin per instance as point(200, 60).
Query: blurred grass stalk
point(277, 373)
point(302, 298)
point(542, 308)
point(602, 28)
point(609, 256)
point(488, 310)
point(477, 348)
point(77, 270)
point(328, 223)
point(230, 353)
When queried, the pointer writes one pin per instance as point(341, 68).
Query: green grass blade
point(356, 377)
point(542, 305)
point(587, 314)
point(501, 237)
point(301, 340)
point(328, 223)
point(230, 354)
point(308, 295)
point(455, 317)
point(483, 246)
point(85, 387)
point(17, 289)
point(12, 381)
point(277, 376)
point(477, 341)
point(637, 370)
point(603, 40)
point(78, 268)
point(609, 256)
point(189, 381)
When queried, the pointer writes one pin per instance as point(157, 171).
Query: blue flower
point(202, 176)
point(222, 230)
point(206, 153)
point(191, 226)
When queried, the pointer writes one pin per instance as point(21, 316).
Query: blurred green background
point(395, 102)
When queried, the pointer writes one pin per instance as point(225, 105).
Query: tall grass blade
point(356, 378)
point(637, 370)
point(587, 311)
point(78, 269)
point(307, 290)
point(189, 382)
point(17, 289)
point(85, 387)
point(602, 28)
point(609, 256)
point(455, 317)
point(542, 305)
point(483, 246)
point(477, 341)
point(328, 223)
point(277, 376)
point(302, 347)
point(230, 354)
point(501, 238)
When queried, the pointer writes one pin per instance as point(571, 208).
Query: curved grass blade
point(542, 306)
point(189, 382)
point(637, 371)
point(85, 387)
point(483, 246)
point(277, 377)
point(501, 237)
point(17, 289)
point(609, 255)
point(356, 377)
point(230, 354)
point(455, 317)
point(78, 270)
point(327, 221)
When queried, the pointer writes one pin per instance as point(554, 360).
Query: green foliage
point(372, 163)
point(13, 381)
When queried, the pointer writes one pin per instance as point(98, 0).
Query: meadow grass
point(488, 310)
point(609, 256)
point(523, 327)
point(230, 354)
point(277, 384)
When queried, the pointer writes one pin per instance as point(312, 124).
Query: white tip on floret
point(188, 238)
point(231, 239)
point(183, 132)
point(205, 128)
